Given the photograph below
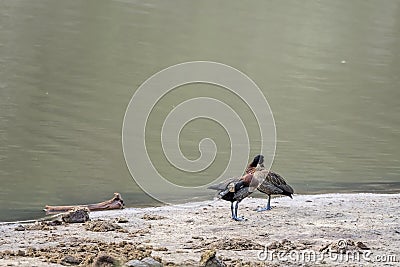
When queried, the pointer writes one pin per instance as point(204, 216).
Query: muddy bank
point(329, 229)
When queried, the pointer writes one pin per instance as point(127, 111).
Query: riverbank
point(332, 229)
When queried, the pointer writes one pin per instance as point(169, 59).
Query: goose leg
point(233, 211)
point(268, 207)
point(236, 218)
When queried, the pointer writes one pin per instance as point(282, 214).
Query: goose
point(237, 189)
point(273, 184)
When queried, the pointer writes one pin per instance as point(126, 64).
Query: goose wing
point(275, 184)
point(223, 185)
point(242, 193)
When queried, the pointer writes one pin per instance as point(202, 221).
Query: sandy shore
point(309, 230)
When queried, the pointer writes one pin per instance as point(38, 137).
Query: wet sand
point(308, 230)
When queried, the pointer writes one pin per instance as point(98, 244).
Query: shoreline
point(178, 235)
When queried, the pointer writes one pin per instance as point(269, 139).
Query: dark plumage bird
point(237, 189)
point(273, 184)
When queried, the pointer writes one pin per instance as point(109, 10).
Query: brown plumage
point(274, 184)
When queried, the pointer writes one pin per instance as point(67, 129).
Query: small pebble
point(20, 228)
point(122, 220)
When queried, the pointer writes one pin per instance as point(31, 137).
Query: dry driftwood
point(115, 203)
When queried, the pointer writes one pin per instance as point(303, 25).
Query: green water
point(329, 69)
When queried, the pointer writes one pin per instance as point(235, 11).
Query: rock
point(105, 261)
point(209, 259)
point(21, 253)
point(20, 228)
point(136, 263)
point(122, 220)
point(152, 262)
point(141, 247)
point(361, 245)
point(70, 260)
point(76, 215)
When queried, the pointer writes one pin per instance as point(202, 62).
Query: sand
point(308, 230)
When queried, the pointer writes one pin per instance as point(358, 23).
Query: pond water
point(68, 69)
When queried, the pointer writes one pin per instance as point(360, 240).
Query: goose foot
point(238, 219)
point(268, 207)
point(263, 209)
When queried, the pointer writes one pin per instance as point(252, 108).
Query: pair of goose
point(256, 177)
